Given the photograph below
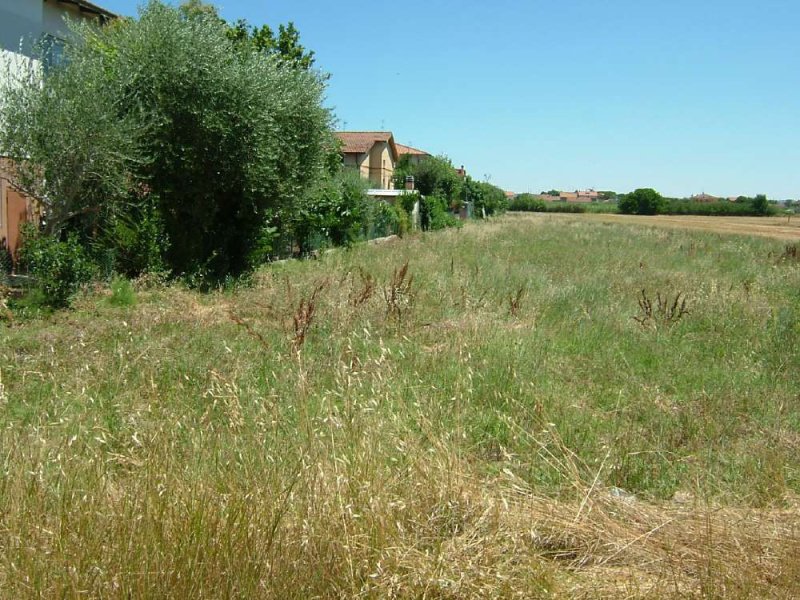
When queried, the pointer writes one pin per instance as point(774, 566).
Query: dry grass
point(772, 227)
point(190, 446)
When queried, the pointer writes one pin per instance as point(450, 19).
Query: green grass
point(267, 442)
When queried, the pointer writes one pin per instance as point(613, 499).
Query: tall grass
point(488, 421)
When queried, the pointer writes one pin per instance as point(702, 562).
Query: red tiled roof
point(359, 142)
point(402, 149)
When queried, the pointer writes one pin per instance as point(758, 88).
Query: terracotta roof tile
point(403, 149)
point(361, 141)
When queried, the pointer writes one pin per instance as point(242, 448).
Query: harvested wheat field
point(781, 228)
point(536, 407)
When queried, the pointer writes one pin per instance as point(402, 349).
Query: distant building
point(415, 155)
point(579, 196)
point(373, 154)
point(704, 198)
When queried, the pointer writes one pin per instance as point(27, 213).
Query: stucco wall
point(53, 18)
point(381, 166)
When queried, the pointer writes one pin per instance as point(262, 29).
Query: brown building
point(579, 196)
point(373, 153)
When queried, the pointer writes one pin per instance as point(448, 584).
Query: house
point(414, 155)
point(373, 153)
point(23, 25)
point(704, 198)
point(579, 196)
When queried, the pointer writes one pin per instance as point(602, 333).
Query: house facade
point(579, 196)
point(372, 153)
point(23, 25)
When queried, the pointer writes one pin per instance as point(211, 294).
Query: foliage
point(433, 176)
point(486, 198)
point(384, 218)
point(168, 109)
point(760, 205)
point(136, 239)
point(434, 214)
point(332, 209)
point(527, 202)
point(59, 267)
point(642, 201)
point(122, 293)
point(712, 209)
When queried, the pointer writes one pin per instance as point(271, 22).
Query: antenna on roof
point(344, 125)
point(383, 124)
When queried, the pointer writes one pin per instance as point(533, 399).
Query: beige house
point(373, 153)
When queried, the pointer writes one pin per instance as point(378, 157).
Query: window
point(52, 51)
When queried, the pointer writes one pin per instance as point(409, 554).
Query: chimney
point(410, 182)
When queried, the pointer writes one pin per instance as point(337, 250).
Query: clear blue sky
point(684, 96)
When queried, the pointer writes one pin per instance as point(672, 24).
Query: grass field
point(529, 409)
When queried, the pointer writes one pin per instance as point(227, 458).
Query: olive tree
point(168, 116)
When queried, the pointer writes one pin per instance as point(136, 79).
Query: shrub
point(434, 214)
point(59, 267)
point(528, 203)
point(642, 201)
point(711, 209)
point(122, 293)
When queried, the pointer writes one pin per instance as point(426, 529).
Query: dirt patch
point(773, 227)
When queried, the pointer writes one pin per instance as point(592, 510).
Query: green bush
point(122, 293)
point(527, 203)
point(721, 208)
point(434, 214)
point(59, 267)
point(642, 201)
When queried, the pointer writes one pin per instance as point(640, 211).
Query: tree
point(643, 201)
point(285, 46)
point(168, 111)
point(760, 205)
point(433, 175)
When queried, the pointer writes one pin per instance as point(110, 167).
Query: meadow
point(537, 406)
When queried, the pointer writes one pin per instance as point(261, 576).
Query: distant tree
point(486, 198)
point(642, 201)
point(760, 205)
point(285, 45)
point(552, 193)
